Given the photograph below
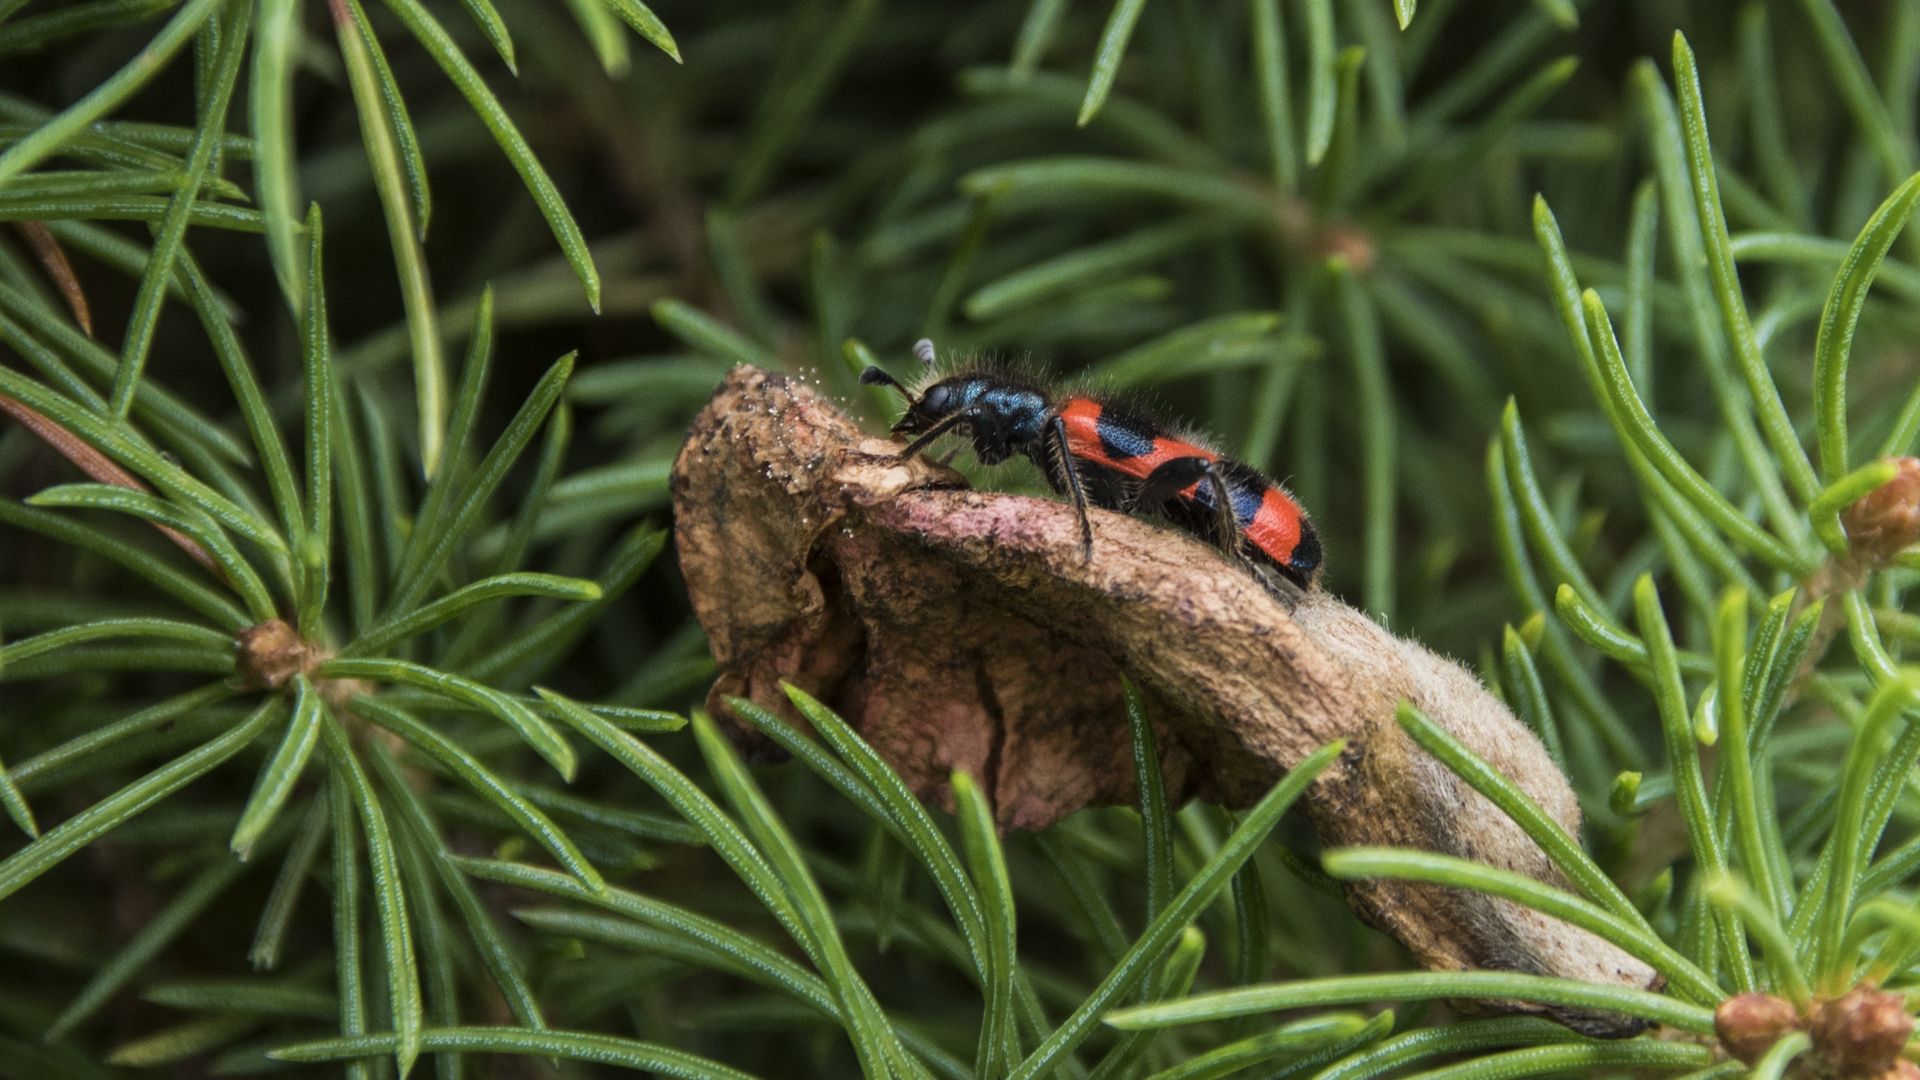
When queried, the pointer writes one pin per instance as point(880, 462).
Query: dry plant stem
point(1834, 577)
point(100, 467)
point(962, 630)
point(54, 258)
point(1878, 525)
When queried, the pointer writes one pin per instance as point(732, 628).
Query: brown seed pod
point(1886, 519)
point(957, 629)
point(1749, 1024)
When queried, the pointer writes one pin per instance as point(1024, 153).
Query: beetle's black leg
point(1063, 461)
point(948, 424)
point(1223, 506)
point(1172, 477)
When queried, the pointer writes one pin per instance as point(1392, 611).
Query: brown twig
point(99, 466)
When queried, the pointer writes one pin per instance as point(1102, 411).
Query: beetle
point(1103, 453)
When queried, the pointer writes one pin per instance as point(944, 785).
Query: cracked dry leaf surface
point(958, 629)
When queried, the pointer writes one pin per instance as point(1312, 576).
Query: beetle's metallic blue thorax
point(1007, 417)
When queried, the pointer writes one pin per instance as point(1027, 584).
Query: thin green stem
point(999, 1044)
point(173, 228)
point(1736, 763)
point(1276, 95)
point(1408, 865)
point(1667, 140)
point(1773, 1064)
point(1378, 454)
point(1832, 967)
point(1784, 960)
point(47, 138)
point(1416, 986)
point(1106, 61)
point(1192, 899)
point(1639, 426)
point(1683, 761)
point(1563, 849)
point(1841, 316)
point(1705, 186)
point(403, 235)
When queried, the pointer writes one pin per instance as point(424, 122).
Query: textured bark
point(957, 629)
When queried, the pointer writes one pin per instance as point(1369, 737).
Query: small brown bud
point(1886, 519)
point(269, 654)
point(1750, 1023)
point(1902, 1070)
point(1350, 243)
point(1862, 1032)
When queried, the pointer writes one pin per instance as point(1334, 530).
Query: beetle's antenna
point(873, 376)
point(923, 350)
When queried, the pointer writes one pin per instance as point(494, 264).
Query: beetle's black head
point(1000, 413)
point(930, 407)
point(935, 404)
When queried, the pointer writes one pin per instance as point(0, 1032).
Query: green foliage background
point(1307, 226)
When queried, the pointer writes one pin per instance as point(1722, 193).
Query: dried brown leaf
point(958, 629)
point(100, 467)
point(54, 258)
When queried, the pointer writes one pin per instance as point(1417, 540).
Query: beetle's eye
point(935, 399)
